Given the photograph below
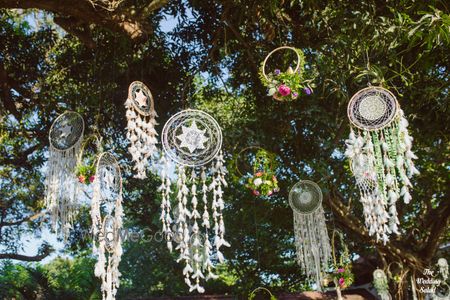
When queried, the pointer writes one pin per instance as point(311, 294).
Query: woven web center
point(305, 198)
point(372, 108)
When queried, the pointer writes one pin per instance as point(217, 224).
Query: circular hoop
point(141, 98)
point(191, 138)
point(97, 139)
point(109, 175)
point(301, 197)
point(236, 159)
point(379, 274)
point(372, 108)
point(275, 50)
point(66, 131)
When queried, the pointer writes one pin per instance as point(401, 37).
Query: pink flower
point(255, 192)
point(91, 179)
point(269, 193)
point(258, 174)
point(284, 90)
point(341, 270)
point(81, 178)
point(341, 281)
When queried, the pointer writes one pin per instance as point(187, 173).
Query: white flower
point(257, 181)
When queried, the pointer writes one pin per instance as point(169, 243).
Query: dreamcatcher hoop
point(306, 198)
point(236, 159)
point(372, 108)
point(61, 126)
point(106, 159)
point(97, 139)
point(137, 87)
point(278, 49)
point(185, 134)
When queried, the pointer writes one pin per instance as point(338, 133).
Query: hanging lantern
point(106, 215)
point(311, 235)
point(141, 126)
point(192, 139)
point(65, 136)
point(380, 282)
point(288, 85)
point(379, 150)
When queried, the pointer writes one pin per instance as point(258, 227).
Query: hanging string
point(367, 65)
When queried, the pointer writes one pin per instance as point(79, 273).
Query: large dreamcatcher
point(66, 135)
point(311, 235)
point(106, 215)
point(192, 139)
point(379, 149)
point(141, 126)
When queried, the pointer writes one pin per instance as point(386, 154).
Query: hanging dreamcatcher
point(311, 235)
point(66, 134)
point(141, 126)
point(106, 215)
point(288, 85)
point(262, 181)
point(380, 282)
point(192, 139)
point(379, 149)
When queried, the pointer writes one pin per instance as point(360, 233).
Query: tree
point(401, 45)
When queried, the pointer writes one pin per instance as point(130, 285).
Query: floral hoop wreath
point(253, 293)
point(288, 85)
point(263, 181)
point(342, 270)
point(86, 166)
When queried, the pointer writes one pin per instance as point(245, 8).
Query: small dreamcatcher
point(106, 215)
point(288, 85)
point(380, 282)
point(311, 235)
point(341, 271)
point(379, 149)
point(65, 136)
point(141, 131)
point(262, 181)
point(87, 159)
point(192, 139)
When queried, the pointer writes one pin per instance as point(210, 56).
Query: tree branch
point(21, 257)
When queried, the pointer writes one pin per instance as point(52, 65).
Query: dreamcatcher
point(286, 85)
point(192, 139)
point(66, 134)
point(262, 181)
point(381, 158)
point(380, 282)
point(141, 126)
point(106, 214)
point(311, 235)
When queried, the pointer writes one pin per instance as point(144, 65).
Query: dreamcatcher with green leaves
point(262, 180)
point(286, 85)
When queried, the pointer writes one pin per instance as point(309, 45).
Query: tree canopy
point(81, 56)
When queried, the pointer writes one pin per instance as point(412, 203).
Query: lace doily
point(372, 108)
point(191, 138)
point(305, 197)
point(66, 131)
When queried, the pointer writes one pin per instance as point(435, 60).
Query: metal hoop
point(275, 50)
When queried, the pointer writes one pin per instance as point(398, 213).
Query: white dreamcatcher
point(380, 282)
point(141, 126)
point(311, 235)
point(106, 215)
point(379, 149)
point(65, 136)
point(192, 139)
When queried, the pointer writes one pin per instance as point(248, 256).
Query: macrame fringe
point(382, 163)
point(62, 186)
point(312, 244)
point(142, 136)
point(193, 227)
